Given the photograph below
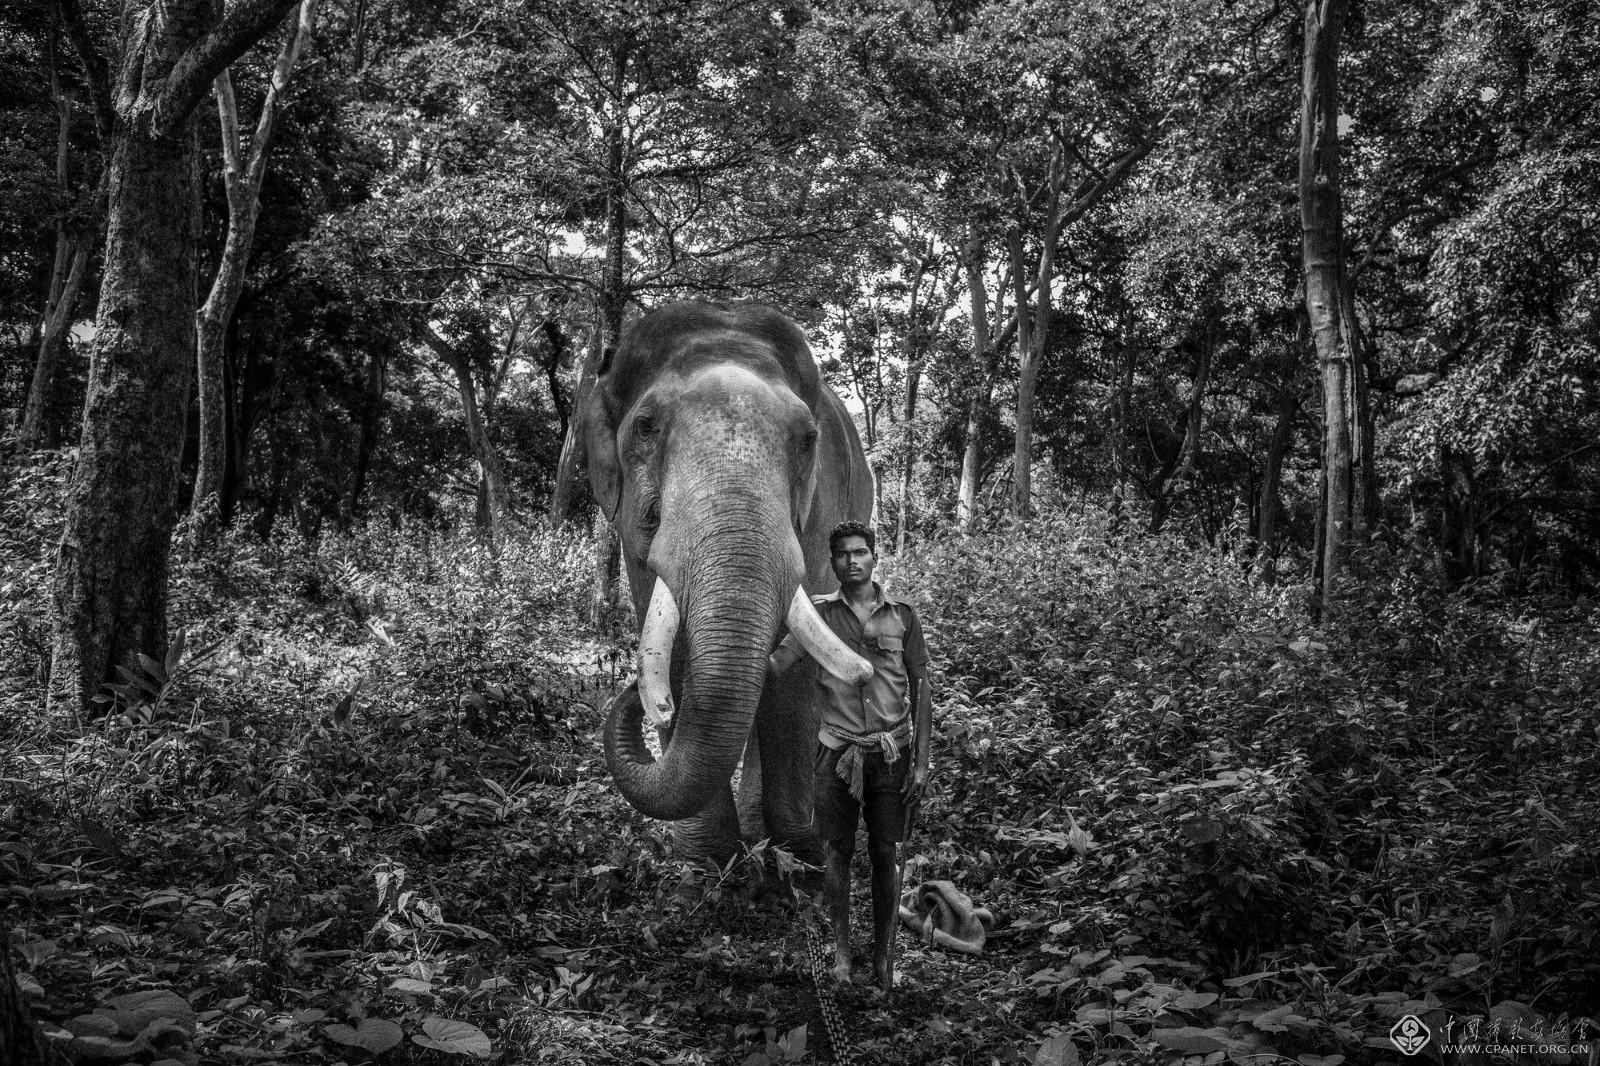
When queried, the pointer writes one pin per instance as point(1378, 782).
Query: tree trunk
point(111, 576)
point(1271, 480)
point(610, 304)
point(603, 604)
point(613, 302)
point(1458, 533)
point(908, 469)
point(491, 478)
point(371, 421)
point(613, 285)
point(559, 347)
point(1031, 342)
point(242, 177)
point(572, 443)
point(1364, 502)
point(36, 421)
point(1323, 264)
point(967, 493)
point(111, 573)
point(66, 279)
point(1193, 430)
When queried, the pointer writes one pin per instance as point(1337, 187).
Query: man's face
point(853, 561)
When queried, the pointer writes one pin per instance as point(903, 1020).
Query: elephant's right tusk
point(823, 644)
point(660, 629)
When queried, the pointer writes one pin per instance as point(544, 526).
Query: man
point(872, 752)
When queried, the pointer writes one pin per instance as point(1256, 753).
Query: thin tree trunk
point(908, 468)
point(1458, 515)
point(242, 178)
point(1271, 480)
point(1323, 265)
point(110, 589)
point(1031, 342)
point(978, 404)
point(371, 422)
point(1189, 458)
point(1364, 502)
point(36, 424)
point(613, 302)
point(66, 279)
point(559, 347)
point(610, 304)
point(572, 442)
point(491, 478)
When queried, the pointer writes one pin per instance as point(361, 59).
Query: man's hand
point(915, 783)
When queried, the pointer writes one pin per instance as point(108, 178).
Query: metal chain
point(832, 1017)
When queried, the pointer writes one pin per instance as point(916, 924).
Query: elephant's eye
point(808, 441)
point(644, 427)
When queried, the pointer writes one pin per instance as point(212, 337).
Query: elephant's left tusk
point(823, 644)
point(660, 629)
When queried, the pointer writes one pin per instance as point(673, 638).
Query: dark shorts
point(837, 813)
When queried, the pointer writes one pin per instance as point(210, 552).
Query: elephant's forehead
point(734, 394)
point(734, 408)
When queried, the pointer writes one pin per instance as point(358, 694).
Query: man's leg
point(886, 825)
point(836, 889)
point(835, 816)
point(885, 908)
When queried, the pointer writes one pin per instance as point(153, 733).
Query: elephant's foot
point(712, 834)
point(841, 967)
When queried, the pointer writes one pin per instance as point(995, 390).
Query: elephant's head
point(702, 438)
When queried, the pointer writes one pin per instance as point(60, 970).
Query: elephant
point(723, 459)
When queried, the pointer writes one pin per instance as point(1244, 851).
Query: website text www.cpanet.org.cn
point(1576, 1042)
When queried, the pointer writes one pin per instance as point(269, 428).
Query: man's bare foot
point(841, 971)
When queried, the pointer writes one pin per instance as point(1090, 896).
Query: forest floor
point(361, 814)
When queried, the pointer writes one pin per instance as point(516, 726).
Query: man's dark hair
point(852, 529)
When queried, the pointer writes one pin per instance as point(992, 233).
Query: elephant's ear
point(600, 444)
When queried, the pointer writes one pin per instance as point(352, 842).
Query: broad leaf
point(375, 1034)
point(453, 1038)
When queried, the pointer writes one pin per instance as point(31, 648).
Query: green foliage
point(374, 821)
point(1201, 768)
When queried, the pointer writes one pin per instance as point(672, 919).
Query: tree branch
point(228, 119)
point(94, 68)
point(244, 24)
point(299, 34)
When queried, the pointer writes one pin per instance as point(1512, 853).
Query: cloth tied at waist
point(851, 768)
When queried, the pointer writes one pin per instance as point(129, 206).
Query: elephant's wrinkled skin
point(724, 460)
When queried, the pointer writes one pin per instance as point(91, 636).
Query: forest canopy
point(1226, 374)
point(460, 205)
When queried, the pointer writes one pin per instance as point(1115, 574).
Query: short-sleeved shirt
point(891, 640)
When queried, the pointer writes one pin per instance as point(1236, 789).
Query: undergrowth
point(360, 814)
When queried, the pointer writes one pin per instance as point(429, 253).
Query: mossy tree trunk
point(111, 572)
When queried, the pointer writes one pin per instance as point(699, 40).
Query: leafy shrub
point(1223, 777)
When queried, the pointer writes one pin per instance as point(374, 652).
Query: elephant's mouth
point(660, 630)
point(718, 701)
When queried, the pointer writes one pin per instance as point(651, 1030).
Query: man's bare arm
point(921, 697)
point(784, 656)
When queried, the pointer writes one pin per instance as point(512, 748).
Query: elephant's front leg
point(714, 832)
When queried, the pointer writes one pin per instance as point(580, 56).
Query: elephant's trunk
point(733, 591)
